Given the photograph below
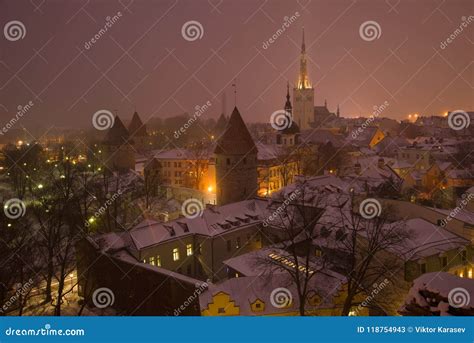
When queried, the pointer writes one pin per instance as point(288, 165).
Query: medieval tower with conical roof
point(236, 162)
point(120, 154)
point(303, 95)
point(138, 132)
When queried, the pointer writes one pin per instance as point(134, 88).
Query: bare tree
point(288, 165)
point(152, 180)
point(198, 163)
point(292, 223)
point(18, 267)
point(370, 248)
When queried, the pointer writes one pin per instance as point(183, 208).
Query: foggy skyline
point(143, 61)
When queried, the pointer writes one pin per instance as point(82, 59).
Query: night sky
point(144, 62)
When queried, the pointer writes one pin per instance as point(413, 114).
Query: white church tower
point(303, 95)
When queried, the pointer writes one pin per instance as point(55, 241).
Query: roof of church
point(292, 129)
point(136, 127)
point(236, 139)
point(117, 134)
point(321, 110)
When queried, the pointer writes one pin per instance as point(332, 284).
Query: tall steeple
point(303, 79)
point(288, 107)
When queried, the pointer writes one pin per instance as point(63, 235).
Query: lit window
point(152, 260)
point(144, 260)
point(469, 274)
point(175, 254)
point(189, 249)
point(237, 243)
point(158, 261)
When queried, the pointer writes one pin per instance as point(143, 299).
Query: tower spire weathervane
point(235, 92)
point(303, 79)
point(303, 46)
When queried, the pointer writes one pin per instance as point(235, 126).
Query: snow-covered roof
point(429, 239)
point(246, 290)
point(269, 260)
point(450, 288)
point(370, 169)
point(463, 215)
point(267, 151)
point(213, 221)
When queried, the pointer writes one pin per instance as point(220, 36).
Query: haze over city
point(143, 62)
point(237, 158)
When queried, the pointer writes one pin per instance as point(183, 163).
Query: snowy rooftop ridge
point(453, 290)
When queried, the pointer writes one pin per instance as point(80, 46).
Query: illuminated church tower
point(303, 95)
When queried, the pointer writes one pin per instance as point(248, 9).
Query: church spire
point(303, 45)
point(303, 79)
point(288, 107)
